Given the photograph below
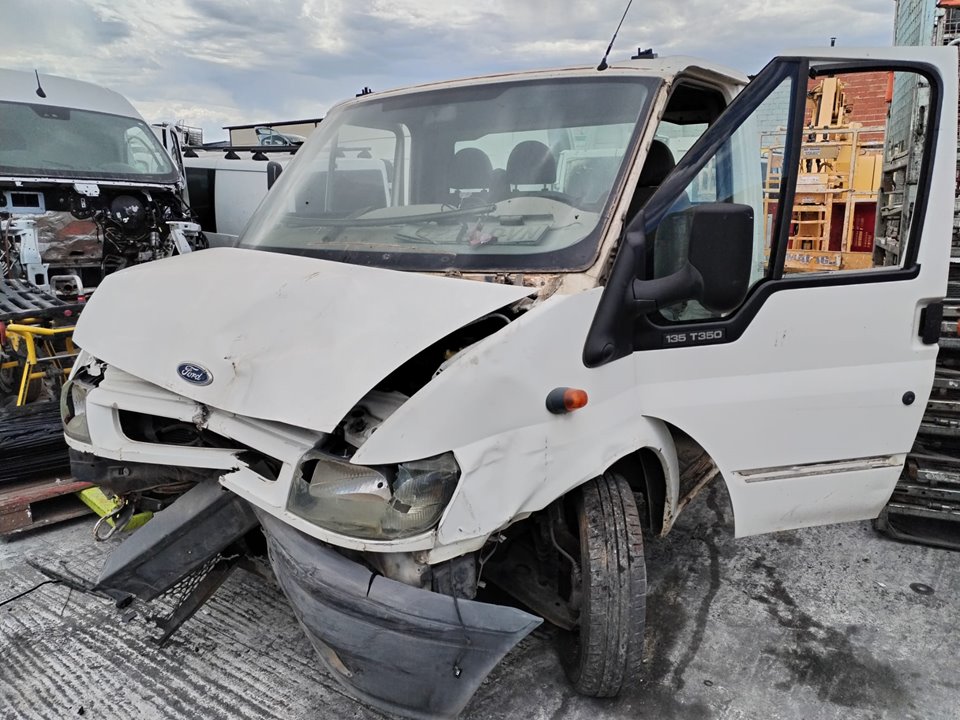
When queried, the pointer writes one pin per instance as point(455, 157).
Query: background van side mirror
point(273, 172)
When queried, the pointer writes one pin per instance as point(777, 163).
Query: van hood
point(275, 336)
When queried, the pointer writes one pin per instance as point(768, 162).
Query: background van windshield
point(40, 140)
point(491, 176)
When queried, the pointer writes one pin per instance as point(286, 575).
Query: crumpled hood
point(281, 337)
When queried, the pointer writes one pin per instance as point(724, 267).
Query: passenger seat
point(656, 167)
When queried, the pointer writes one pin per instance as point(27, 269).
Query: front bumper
point(131, 477)
point(402, 649)
point(119, 392)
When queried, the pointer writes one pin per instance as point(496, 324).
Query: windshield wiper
point(403, 219)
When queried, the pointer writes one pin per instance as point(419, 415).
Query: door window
point(679, 138)
point(856, 179)
point(817, 175)
point(735, 174)
point(143, 152)
point(692, 108)
point(858, 172)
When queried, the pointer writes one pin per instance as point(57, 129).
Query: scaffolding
point(832, 222)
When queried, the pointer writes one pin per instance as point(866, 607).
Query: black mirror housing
point(715, 272)
point(273, 172)
point(721, 250)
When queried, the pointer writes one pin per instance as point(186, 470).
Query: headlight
point(380, 503)
point(73, 410)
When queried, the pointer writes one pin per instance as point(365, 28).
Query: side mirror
point(715, 271)
point(721, 251)
point(273, 172)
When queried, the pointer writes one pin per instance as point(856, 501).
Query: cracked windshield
point(511, 176)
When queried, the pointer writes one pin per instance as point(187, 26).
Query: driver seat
point(470, 177)
point(471, 169)
point(531, 163)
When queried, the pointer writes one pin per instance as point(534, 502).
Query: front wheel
point(605, 653)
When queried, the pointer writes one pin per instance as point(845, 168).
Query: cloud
point(217, 62)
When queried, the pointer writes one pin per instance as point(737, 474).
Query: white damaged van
point(555, 310)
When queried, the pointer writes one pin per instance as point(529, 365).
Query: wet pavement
point(815, 624)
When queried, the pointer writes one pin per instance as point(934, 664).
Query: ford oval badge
point(193, 373)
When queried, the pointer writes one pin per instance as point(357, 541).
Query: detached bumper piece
point(181, 539)
point(925, 505)
point(408, 651)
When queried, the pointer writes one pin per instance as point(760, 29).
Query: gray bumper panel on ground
point(406, 650)
point(178, 540)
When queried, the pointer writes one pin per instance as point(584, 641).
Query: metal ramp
point(21, 300)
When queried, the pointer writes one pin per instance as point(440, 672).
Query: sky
point(211, 63)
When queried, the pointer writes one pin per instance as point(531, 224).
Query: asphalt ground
point(814, 624)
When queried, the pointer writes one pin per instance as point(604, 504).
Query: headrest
point(657, 166)
point(531, 163)
point(470, 170)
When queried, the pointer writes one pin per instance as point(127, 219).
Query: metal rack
point(925, 506)
point(832, 220)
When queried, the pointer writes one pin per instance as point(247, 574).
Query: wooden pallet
point(29, 504)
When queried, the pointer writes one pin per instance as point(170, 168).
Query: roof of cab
point(21, 87)
point(665, 68)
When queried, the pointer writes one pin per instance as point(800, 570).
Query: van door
point(756, 297)
point(167, 134)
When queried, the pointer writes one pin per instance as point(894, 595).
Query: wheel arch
point(667, 487)
point(646, 472)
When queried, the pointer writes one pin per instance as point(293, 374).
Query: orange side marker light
point(565, 399)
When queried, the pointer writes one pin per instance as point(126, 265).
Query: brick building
point(867, 97)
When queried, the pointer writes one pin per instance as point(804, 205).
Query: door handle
point(930, 318)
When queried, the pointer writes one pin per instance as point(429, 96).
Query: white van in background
point(224, 192)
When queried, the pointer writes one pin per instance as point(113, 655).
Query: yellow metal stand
point(38, 344)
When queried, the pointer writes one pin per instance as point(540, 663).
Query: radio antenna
point(40, 91)
point(603, 63)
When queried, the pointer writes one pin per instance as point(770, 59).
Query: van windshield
point(496, 176)
point(58, 142)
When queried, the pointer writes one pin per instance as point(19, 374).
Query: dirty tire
point(605, 655)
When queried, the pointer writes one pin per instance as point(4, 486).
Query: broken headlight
point(379, 503)
point(73, 410)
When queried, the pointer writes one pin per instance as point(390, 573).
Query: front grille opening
point(264, 465)
point(168, 431)
point(154, 429)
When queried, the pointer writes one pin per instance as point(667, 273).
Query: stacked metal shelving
point(925, 506)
